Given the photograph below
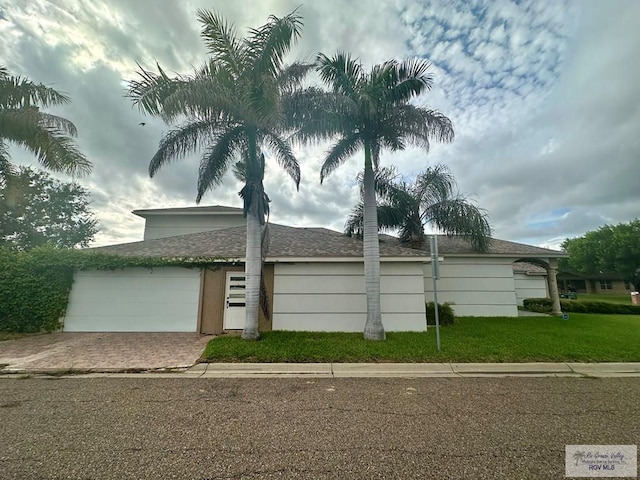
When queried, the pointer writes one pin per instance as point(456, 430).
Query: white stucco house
point(314, 279)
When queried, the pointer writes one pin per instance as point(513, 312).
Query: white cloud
point(543, 95)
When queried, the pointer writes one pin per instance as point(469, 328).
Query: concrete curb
point(356, 370)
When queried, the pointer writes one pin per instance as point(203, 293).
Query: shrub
point(540, 305)
point(599, 307)
point(33, 296)
point(543, 305)
point(445, 314)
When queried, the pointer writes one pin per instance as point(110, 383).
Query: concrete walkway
point(382, 370)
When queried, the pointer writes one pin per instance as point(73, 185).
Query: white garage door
point(134, 300)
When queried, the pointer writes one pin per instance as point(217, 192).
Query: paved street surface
point(310, 428)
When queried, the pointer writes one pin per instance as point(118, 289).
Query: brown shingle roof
point(230, 243)
point(528, 268)
point(297, 242)
point(450, 245)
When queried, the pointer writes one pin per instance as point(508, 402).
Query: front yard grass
point(605, 297)
point(582, 338)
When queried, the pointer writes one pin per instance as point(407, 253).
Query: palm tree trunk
point(373, 329)
point(253, 255)
point(253, 263)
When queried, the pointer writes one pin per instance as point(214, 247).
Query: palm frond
point(263, 103)
point(150, 92)
point(268, 44)
point(386, 179)
point(338, 153)
point(281, 149)
point(200, 98)
point(291, 77)
point(179, 142)
point(217, 158)
point(58, 123)
point(407, 207)
point(341, 73)
point(354, 226)
point(7, 169)
point(389, 218)
point(458, 216)
point(226, 49)
point(314, 115)
point(60, 153)
point(408, 79)
point(18, 92)
point(54, 149)
point(439, 126)
point(433, 185)
point(418, 126)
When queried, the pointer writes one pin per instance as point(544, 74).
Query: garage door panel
point(134, 300)
point(101, 309)
point(139, 283)
point(135, 323)
point(141, 296)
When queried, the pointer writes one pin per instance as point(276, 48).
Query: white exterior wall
point(331, 297)
point(164, 299)
point(530, 286)
point(161, 226)
point(478, 287)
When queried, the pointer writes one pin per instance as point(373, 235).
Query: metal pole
point(435, 274)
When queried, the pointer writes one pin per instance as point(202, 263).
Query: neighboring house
point(606, 282)
point(314, 279)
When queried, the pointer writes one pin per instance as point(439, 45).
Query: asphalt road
point(440, 428)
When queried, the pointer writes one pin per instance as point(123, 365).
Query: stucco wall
point(480, 287)
point(134, 300)
point(331, 297)
point(160, 226)
point(530, 286)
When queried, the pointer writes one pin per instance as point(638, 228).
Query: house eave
point(510, 255)
point(281, 259)
point(151, 213)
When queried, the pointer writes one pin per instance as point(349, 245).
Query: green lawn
point(582, 338)
point(591, 297)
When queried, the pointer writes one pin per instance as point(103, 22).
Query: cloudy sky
point(544, 97)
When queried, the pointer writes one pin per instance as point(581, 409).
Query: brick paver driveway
point(101, 351)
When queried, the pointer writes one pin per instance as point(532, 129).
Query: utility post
point(435, 274)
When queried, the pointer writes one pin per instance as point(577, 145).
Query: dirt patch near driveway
point(101, 351)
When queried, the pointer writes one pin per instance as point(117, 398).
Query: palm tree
point(48, 137)
point(372, 111)
point(431, 199)
point(232, 107)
